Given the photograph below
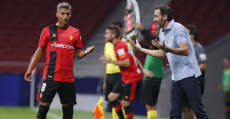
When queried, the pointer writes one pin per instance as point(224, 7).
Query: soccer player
point(201, 59)
point(176, 44)
point(112, 73)
point(119, 25)
point(126, 89)
point(151, 85)
point(226, 85)
point(61, 42)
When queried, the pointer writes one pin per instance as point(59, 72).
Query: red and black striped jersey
point(60, 47)
point(132, 73)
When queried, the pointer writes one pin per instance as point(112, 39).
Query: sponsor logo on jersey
point(71, 37)
point(54, 35)
point(121, 52)
point(63, 46)
point(41, 95)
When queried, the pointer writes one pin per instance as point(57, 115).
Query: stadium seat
point(24, 21)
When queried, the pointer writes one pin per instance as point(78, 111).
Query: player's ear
point(165, 17)
point(70, 14)
point(57, 14)
point(113, 35)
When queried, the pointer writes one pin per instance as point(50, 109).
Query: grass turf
point(27, 113)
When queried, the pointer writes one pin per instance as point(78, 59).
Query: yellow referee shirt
point(109, 52)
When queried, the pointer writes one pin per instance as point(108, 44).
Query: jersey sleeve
point(78, 43)
point(201, 55)
point(180, 34)
point(44, 38)
point(123, 52)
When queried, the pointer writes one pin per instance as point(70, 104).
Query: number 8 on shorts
point(43, 87)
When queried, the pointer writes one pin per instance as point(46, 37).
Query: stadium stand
point(24, 20)
point(210, 16)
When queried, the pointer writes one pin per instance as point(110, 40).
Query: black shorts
point(66, 91)
point(150, 92)
point(128, 91)
point(202, 82)
point(111, 81)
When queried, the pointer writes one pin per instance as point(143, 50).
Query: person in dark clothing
point(151, 85)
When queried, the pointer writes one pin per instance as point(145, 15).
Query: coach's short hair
point(194, 31)
point(117, 23)
point(165, 9)
point(64, 5)
point(115, 30)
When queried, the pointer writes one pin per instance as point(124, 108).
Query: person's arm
point(155, 53)
point(139, 64)
point(80, 54)
point(44, 39)
point(122, 63)
point(201, 58)
point(144, 71)
point(35, 60)
point(183, 50)
point(147, 35)
point(104, 83)
point(202, 66)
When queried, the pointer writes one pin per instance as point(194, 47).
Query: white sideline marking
point(54, 116)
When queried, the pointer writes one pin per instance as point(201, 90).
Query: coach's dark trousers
point(189, 87)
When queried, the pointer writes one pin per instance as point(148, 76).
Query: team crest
point(54, 35)
point(126, 97)
point(71, 37)
point(41, 95)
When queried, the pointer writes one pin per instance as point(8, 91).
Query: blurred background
point(23, 20)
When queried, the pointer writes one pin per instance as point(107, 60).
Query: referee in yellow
point(112, 73)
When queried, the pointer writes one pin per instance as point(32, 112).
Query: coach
point(176, 44)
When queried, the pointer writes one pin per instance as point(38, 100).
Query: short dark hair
point(64, 5)
point(165, 9)
point(194, 31)
point(117, 23)
point(114, 30)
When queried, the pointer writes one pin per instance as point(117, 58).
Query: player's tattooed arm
point(37, 56)
point(80, 54)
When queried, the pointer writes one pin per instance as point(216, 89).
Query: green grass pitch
point(27, 113)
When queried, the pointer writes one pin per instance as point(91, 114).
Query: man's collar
point(170, 24)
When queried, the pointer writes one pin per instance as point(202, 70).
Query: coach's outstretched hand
point(89, 50)
point(158, 45)
point(135, 45)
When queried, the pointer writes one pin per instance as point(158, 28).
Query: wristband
point(167, 49)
